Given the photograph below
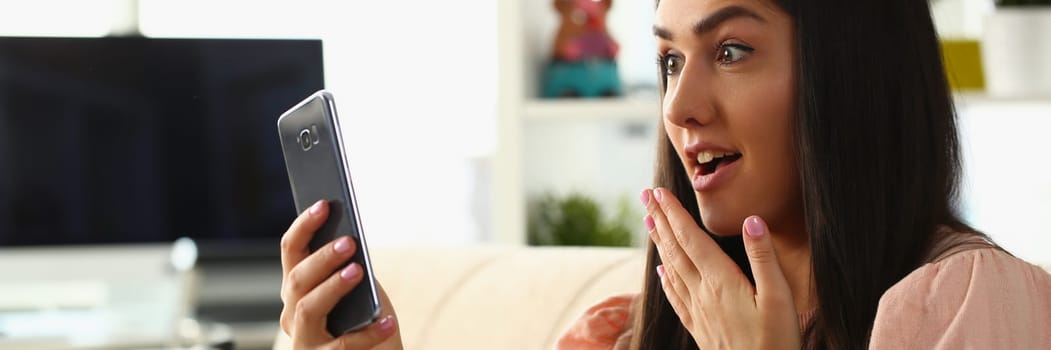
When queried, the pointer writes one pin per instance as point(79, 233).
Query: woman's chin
point(726, 233)
point(722, 228)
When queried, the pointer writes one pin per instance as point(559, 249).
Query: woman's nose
point(687, 100)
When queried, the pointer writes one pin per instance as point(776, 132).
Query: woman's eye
point(730, 54)
point(671, 64)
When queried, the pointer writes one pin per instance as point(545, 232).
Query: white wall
point(960, 18)
point(40, 18)
point(1007, 180)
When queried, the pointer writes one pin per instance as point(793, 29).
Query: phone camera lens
point(305, 139)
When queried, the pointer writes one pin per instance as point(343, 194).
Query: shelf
point(628, 109)
point(969, 98)
point(640, 109)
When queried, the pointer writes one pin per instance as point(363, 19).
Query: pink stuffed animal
point(583, 34)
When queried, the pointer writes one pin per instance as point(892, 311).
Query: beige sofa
point(497, 297)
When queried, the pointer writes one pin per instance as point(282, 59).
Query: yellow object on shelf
point(963, 64)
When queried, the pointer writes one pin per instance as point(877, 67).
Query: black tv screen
point(134, 140)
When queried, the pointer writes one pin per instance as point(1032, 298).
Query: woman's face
point(729, 105)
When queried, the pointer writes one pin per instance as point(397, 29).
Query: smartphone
point(317, 169)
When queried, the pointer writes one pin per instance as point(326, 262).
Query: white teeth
point(707, 156)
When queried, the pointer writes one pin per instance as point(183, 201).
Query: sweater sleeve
point(604, 326)
point(978, 299)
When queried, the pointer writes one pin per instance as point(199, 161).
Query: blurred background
point(141, 175)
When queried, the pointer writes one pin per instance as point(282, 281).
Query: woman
point(808, 162)
point(834, 142)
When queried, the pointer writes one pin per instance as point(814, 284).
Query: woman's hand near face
point(309, 289)
point(712, 297)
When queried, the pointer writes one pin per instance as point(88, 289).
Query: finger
point(295, 241)
point(310, 272)
point(681, 288)
point(671, 279)
point(671, 253)
point(672, 282)
point(370, 337)
point(709, 259)
point(674, 298)
point(313, 308)
point(770, 282)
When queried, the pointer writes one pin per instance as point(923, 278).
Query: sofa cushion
point(492, 297)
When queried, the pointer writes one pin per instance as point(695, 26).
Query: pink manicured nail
point(349, 272)
point(660, 271)
point(657, 194)
point(387, 324)
point(316, 208)
point(342, 245)
point(645, 197)
point(649, 223)
point(754, 226)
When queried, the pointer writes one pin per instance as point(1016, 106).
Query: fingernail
point(657, 194)
point(350, 272)
point(342, 245)
point(660, 271)
point(316, 208)
point(387, 324)
point(754, 226)
point(645, 197)
point(649, 223)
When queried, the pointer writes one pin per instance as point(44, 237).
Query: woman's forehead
point(684, 16)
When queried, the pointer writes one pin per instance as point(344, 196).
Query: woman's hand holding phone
point(309, 289)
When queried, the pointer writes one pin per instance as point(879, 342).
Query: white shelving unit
point(561, 145)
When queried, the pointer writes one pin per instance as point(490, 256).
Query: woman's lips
point(707, 182)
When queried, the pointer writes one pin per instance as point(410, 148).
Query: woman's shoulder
point(980, 297)
point(605, 325)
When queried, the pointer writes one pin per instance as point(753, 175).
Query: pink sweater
point(974, 299)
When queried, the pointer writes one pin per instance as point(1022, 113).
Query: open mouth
point(709, 162)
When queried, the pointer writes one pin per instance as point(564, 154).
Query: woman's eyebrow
point(712, 21)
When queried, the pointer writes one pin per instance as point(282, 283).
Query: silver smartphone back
point(317, 167)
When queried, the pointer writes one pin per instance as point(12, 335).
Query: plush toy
point(583, 33)
point(583, 55)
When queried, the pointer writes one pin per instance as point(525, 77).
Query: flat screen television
point(138, 140)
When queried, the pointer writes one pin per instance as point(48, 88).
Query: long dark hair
point(878, 159)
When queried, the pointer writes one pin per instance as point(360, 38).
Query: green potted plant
point(578, 220)
point(1016, 49)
